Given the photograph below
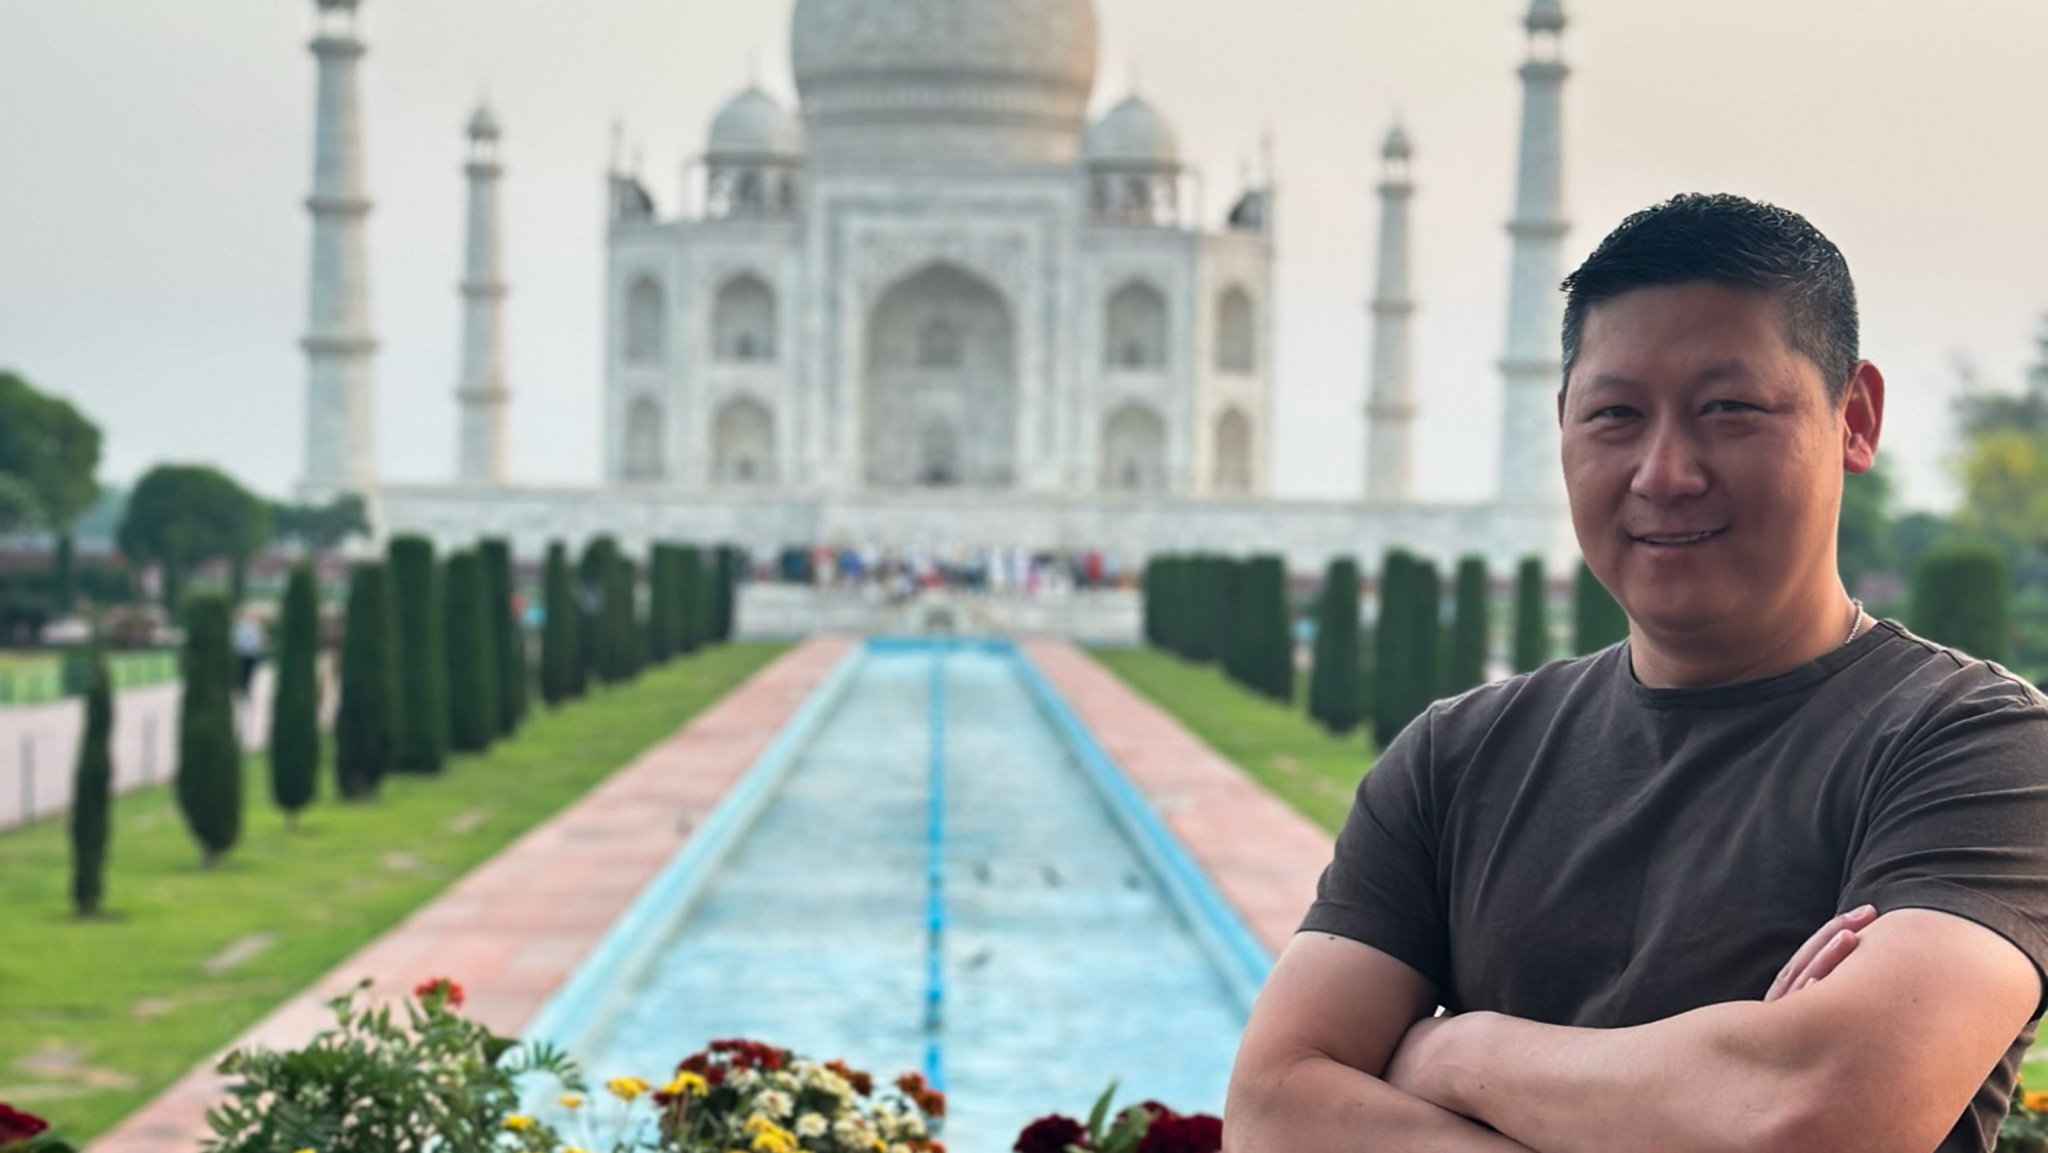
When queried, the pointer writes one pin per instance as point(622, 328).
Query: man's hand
point(1827, 948)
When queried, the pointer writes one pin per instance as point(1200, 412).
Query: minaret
point(340, 454)
point(1529, 466)
point(482, 393)
point(1390, 411)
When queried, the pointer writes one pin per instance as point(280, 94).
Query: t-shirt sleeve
point(1380, 888)
point(1959, 821)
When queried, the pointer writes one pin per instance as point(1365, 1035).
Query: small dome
point(1397, 146)
point(755, 124)
point(1133, 134)
point(1546, 15)
point(483, 125)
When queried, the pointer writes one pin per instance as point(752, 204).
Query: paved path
point(1262, 855)
point(514, 930)
point(39, 745)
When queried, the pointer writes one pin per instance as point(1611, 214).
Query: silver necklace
point(1855, 622)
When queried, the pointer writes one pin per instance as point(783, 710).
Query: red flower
point(442, 986)
point(16, 1125)
point(930, 1102)
point(861, 1082)
point(1051, 1135)
point(1199, 1133)
point(1159, 1112)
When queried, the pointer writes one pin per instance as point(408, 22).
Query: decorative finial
point(1546, 16)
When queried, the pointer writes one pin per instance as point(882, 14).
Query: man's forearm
point(1726, 1077)
point(1316, 1105)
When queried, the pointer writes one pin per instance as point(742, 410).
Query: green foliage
point(20, 511)
point(1597, 618)
point(695, 590)
point(1335, 696)
point(422, 655)
point(1407, 642)
point(1532, 616)
point(1863, 535)
point(1264, 642)
point(472, 671)
point(180, 515)
point(594, 582)
point(1962, 597)
point(1219, 583)
point(508, 641)
point(92, 787)
point(1470, 629)
point(374, 1084)
point(51, 448)
point(320, 528)
point(370, 715)
point(295, 704)
point(728, 566)
point(561, 660)
point(209, 775)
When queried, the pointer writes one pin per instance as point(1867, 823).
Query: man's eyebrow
point(1607, 381)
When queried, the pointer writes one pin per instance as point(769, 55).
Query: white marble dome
point(755, 124)
point(934, 81)
point(1133, 135)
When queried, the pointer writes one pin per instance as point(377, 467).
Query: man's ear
point(1862, 417)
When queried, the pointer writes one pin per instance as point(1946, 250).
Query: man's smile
point(1678, 539)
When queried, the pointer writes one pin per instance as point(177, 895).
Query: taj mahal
point(937, 305)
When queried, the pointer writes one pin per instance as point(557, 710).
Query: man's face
point(1703, 460)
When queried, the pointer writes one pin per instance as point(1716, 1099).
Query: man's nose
point(1672, 465)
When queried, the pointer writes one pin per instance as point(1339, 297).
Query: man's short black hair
point(1737, 242)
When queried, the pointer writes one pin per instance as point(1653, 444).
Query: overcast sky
point(154, 157)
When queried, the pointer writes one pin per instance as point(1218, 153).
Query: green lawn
point(96, 1017)
point(1278, 745)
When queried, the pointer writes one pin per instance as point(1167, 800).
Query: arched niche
point(940, 395)
point(1233, 452)
point(743, 443)
point(646, 334)
point(1134, 329)
point(643, 441)
point(743, 321)
point(1134, 450)
point(1237, 339)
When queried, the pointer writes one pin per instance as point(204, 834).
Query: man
point(1769, 875)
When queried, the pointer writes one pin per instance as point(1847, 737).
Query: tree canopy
point(51, 448)
point(321, 527)
point(180, 515)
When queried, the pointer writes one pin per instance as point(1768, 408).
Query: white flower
point(811, 1125)
point(851, 1131)
point(775, 1103)
point(784, 1079)
point(746, 1080)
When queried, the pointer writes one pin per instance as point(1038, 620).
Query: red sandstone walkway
point(515, 928)
point(1261, 854)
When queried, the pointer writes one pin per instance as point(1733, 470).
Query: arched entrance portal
point(941, 390)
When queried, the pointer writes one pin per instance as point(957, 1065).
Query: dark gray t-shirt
point(1574, 848)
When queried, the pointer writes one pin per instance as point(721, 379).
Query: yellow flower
point(518, 1123)
point(2035, 1101)
point(306, 1151)
point(572, 1100)
point(686, 1083)
point(627, 1088)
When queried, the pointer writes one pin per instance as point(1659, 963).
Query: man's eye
point(1731, 406)
point(1612, 412)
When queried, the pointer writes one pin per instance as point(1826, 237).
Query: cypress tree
point(92, 787)
point(422, 679)
point(593, 578)
point(508, 644)
point(1390, 654)
point(367, 722)
point(1532, 616)
point(561, 665)
point(1597, 619)
point(660, 625)
point(1334, 695)
point(295, 705)
point(622, 618)
point(728, 567)
point(695, 594)
point(1469, 628)
point(1962, 597)
point(472, 671)
point(1274, 650)
point(1220, 583)
point(209, 776)
point(238, 580)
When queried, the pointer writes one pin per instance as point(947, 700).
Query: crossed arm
point(1874, 1039)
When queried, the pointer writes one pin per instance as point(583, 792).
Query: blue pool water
point(932, 877)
